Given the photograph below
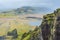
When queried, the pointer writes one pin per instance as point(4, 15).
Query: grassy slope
point(7, 24)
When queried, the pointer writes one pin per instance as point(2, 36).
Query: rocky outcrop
point(50, 27)
point(13, 34)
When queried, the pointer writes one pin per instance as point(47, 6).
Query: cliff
point(49, 29)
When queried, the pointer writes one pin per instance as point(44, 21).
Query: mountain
point(28, 10)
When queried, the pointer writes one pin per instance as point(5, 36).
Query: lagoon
point(36, 23)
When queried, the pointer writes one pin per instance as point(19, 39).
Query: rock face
point(13, 33)
point(36, 34)
point(57, 27)
point(47, 27)
point(50, 27)
point(57, 32)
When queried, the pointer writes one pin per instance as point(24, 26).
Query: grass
point(10, 22)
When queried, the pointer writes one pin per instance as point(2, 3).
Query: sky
point(6, 4)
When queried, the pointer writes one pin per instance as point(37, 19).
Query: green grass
point(9, 25)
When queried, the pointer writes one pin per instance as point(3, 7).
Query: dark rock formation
point(13, 33)
point(49, 29)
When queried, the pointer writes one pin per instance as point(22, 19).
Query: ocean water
point(36, 23)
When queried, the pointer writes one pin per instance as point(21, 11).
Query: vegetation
point(49, 27)
point(17, 30)
point(14, 29)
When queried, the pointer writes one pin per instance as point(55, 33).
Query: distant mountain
point(28, 9)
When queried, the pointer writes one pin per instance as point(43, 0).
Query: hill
point(27, 10)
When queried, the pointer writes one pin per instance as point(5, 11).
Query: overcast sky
point(53, 4)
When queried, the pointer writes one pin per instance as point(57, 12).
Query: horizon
point(9, 4)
